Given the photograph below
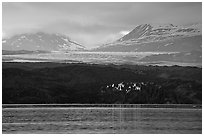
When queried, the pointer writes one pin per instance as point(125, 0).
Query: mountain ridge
point(41, 41)
point(147, 37)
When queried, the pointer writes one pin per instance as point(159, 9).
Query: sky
point(93, 24)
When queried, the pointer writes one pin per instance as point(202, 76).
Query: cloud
point(3, 35)
point(124, 32)
point(94, 23)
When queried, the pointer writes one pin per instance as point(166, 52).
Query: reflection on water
point(101, 120)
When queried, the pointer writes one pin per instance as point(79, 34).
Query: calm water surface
point(101, 120)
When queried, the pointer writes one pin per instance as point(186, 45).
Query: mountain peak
point(160, 31)
point(41, 41)
point(158, 37)
point(139, 31)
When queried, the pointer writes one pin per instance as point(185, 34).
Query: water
point(110, 119)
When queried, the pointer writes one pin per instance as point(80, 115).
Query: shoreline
point(193, 106)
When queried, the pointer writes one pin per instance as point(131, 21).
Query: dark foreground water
point(100, 119)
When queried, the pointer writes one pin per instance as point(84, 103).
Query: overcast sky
point(92, 24)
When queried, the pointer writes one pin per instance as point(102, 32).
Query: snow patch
point(23, 36)
point(168, 44)
point(65, 39)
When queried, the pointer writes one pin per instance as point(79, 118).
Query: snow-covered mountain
point(157, 38)
point(40, 41)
